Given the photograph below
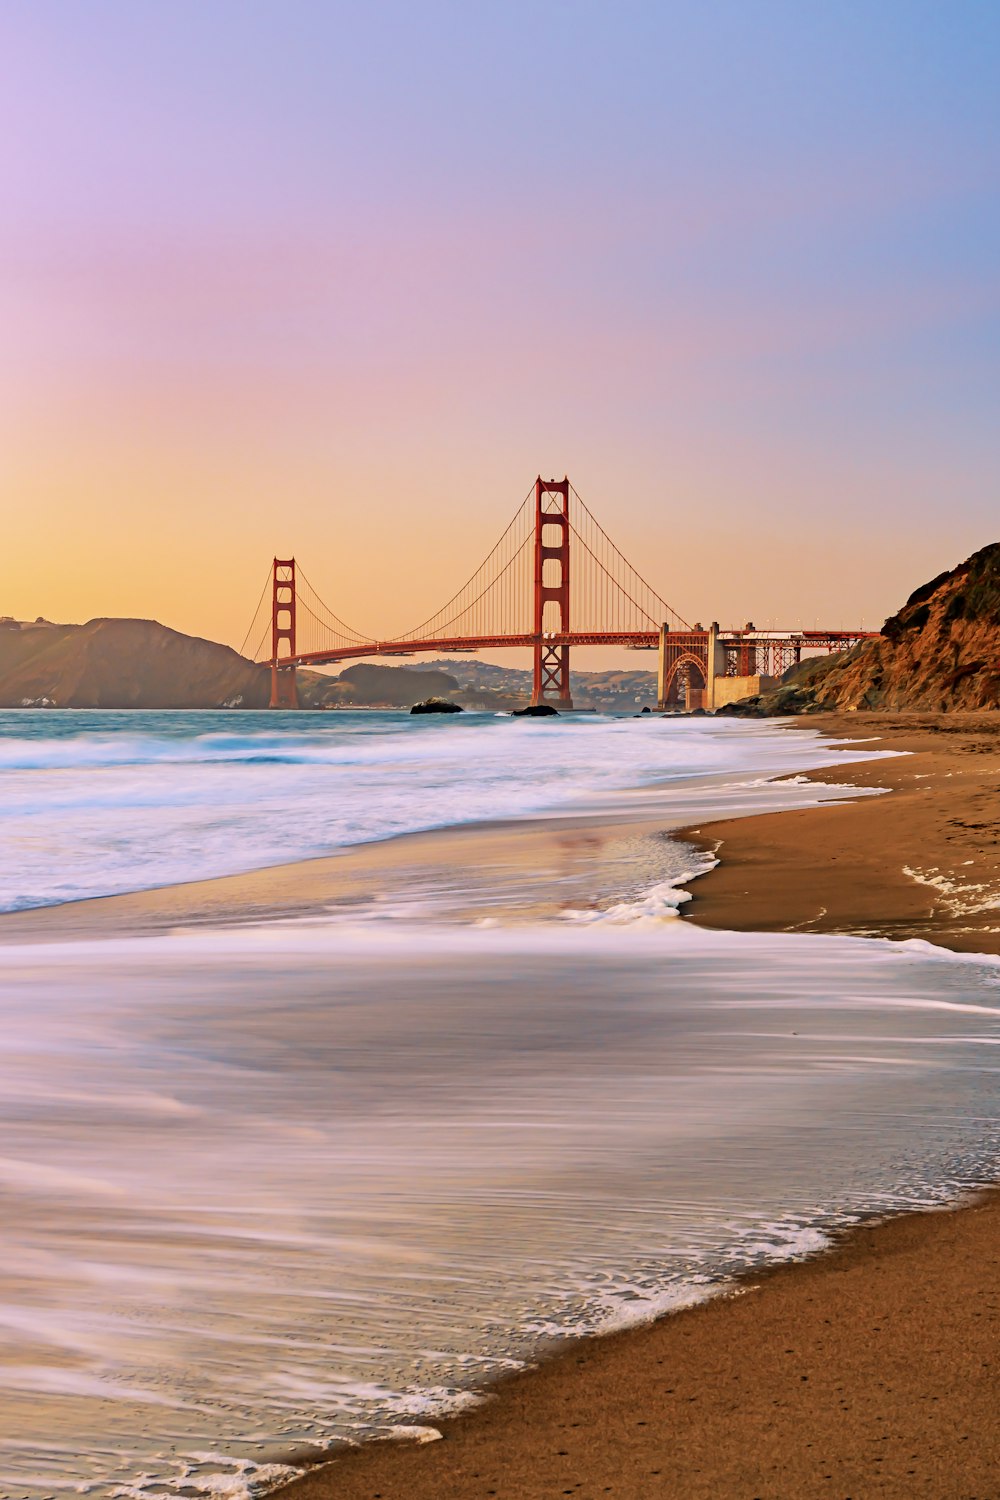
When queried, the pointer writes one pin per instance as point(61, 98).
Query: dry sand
point(867, 1372)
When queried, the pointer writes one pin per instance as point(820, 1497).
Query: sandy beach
point(499, 751)
point(923, 862)
point(862, 1371)
point(868, 1371)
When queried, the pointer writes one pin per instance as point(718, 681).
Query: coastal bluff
point(940, 653)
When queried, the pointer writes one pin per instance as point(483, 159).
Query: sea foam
point(96, 804)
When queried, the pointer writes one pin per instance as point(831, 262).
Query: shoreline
point(858, 1371)
point(868, 1365)
point(922, 863)
point(520, 869)
point(595, 1416)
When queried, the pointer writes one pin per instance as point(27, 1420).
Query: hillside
point(124, 664)
point(120, 663)
point(940, 652)
point(485, 684)
point(395, 687)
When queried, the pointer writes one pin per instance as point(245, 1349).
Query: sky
point(338, 280)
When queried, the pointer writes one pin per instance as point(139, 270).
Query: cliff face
point(124, 664)
point(941, 652)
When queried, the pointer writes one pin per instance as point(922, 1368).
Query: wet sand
point(921, 863)
point(866, 1372)
point(525, 871)
point(870, 1371)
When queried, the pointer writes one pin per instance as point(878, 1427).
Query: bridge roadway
point(692, 664)
point(634, 640)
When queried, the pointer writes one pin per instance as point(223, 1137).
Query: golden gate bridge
point(554, 580)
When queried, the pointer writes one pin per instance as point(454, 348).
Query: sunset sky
point(339, 279)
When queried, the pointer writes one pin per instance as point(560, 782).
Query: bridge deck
point(636, 640)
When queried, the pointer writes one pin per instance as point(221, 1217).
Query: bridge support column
point(715, 666)
point(550, 677)
point(661, 668)
point(284, 691)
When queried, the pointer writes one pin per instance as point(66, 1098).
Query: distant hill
point(940, 652)
point(396, 687)
point(489, 685)
point(121, 663)
point(124, 664)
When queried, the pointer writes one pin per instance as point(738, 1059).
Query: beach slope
point(923, 862)
point(869, 1371)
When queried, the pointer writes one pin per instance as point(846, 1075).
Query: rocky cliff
point(940, 652)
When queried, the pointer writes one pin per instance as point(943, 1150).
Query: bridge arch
point(685, 665)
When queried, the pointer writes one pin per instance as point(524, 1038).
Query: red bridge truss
point(554, 580)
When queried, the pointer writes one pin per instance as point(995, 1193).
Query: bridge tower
point(284, 692)
point(550, 678)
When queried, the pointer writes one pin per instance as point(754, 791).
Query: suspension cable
point(253, 617)
point(620, 586)
point(668, 609)
point(260, 643)
point(472, 602)
point(416, 631)
point(346, 630)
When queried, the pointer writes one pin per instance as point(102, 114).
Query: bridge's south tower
point(550, 679)
point(284, 693)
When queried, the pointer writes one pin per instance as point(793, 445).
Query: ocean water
point(94, 804)
point(296, 1184)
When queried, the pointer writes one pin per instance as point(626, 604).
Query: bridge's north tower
point(550, 678)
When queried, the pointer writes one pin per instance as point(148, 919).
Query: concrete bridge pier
point(709, 659)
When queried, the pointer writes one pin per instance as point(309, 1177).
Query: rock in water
point(436, 706)
point(537, 711)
